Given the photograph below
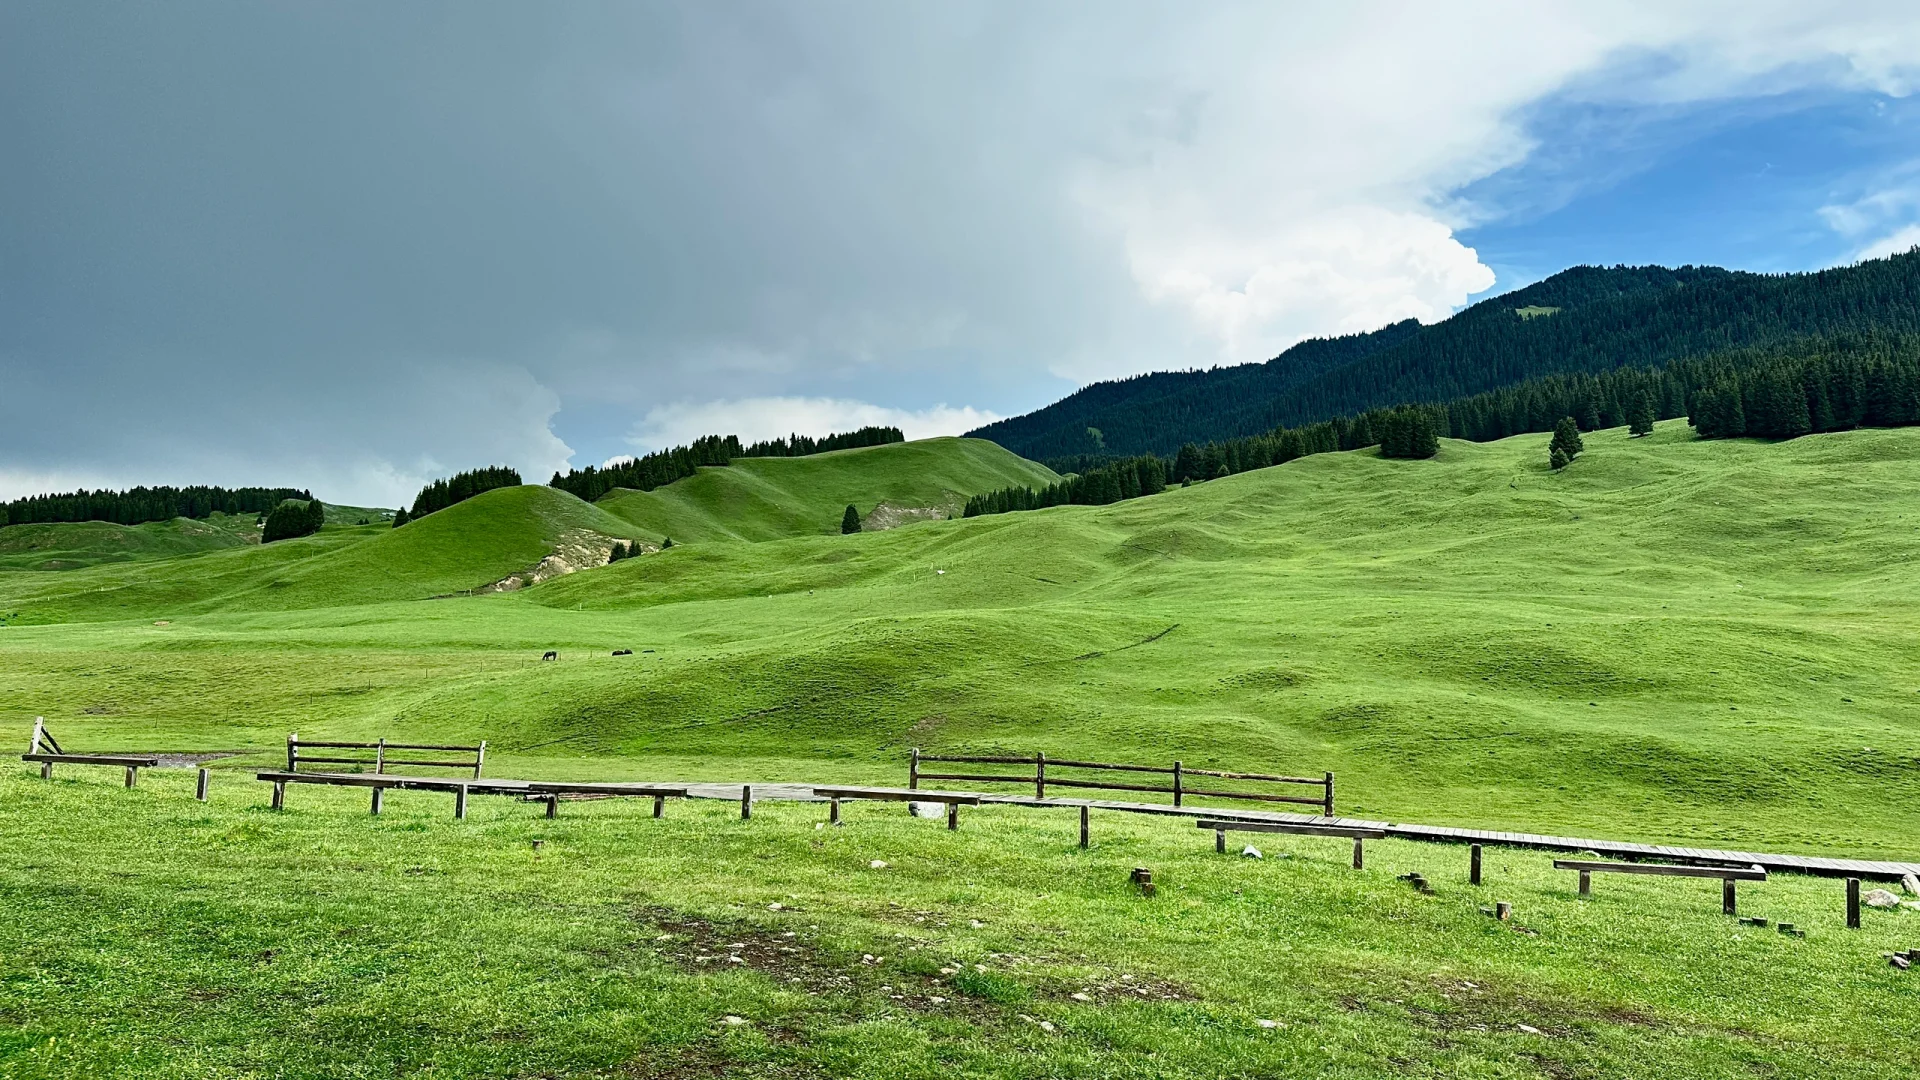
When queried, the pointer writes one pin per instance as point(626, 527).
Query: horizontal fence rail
point(1038, 775)
point(380, 759)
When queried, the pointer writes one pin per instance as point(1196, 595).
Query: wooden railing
point(1045, 773)
point(382, 759)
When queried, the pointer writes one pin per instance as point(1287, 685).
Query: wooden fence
point(1046, 773)
point(380, 758)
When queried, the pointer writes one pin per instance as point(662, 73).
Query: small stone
point(1046, 1026)
point(735, 960)
point(1529, 1029)
point(1910, 883)
point(949, 971)
point(818, 825)
point(1081, 996)
point(877, 864)
point(1880, 898)
point(733, 1021)
point(937, 1000)
point(975, 923)
point(775, 906)
point(1268, 1024)
point(1251, 852)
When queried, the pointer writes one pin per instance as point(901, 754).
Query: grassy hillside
point(1672, 639)
point(71, 545)
point(775, 498)
point(467, 546)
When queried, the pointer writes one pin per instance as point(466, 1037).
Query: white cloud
point(1884, 222)
point(761, 418)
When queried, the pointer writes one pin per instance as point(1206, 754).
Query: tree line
point(663, 467)
point(454, 489)
point(1583, 321)
point(293, 518)
point(1868, 379)
point(803, 445)
point(137, 506)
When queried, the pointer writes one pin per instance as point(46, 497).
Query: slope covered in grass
point(71, 545)
point(470, 545)
point(1672, 639)
point(775, 498)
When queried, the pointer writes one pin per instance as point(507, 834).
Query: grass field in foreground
point(151, 936)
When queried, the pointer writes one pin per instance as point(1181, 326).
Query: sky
point(355, 246)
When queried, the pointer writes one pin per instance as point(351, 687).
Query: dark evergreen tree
point(1558, 459)
point(1566, 439)
point(290, 519)
point(1186, 464)
point(400, 517)
point(666, 543)
point(1640, 421)
point(850, 521)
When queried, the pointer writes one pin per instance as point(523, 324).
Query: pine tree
point(666, 543)
point(1640, 421)
point(1566, 439)
point(850, 521)
point(1558, 459)
point(400, 517)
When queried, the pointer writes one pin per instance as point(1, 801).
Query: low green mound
point(72, 545)
point(776, 498)
point(470, 546)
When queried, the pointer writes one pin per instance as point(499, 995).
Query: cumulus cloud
point(762, 418)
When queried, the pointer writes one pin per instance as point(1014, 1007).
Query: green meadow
point(1671, 640)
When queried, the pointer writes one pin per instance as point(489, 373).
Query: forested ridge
point(137, 506)
point(1784, 390)
point(1587, 320)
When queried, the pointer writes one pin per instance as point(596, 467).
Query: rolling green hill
point(774, 498)
point(71, 545)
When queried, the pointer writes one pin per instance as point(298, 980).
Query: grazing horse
point(551, 655)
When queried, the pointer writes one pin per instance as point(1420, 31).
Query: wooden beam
point(1735, 873)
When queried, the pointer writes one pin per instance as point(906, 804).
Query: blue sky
point(355, 246)
point(1738, 183)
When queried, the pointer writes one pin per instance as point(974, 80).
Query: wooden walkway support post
point(1359, 855)
point(746, 801)
point(659, 806)
point(1586, 883)
point(953, 815)
point(1084, 814)
point(377, 793)
point(913, 769)
point(1220, 841)
point(553, 805)
point(280, 795)
point(200, 785)
point(1473, 865)
point(133, 775)
point(1853, 903)
point(460, 802)
point(1727, 899)
point(833, 811)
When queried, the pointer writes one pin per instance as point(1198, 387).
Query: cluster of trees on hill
point(137, 506)
point(663, 467)
point(803, 445)
point(293, 518)
point(457, 488)
point(1585, 321)
point(1781, 391)
point(1129, 479)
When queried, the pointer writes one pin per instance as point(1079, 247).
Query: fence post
point(1083, 826)
point(460, 802)
point(1473, 865)
point(1586, 883)
point(200, 785)
point(913, 770)
point(1726, 896)
point(1220, 841)
point(1179, 790)
point(1039, 776)
point(133, 775)
point(1853, 903)
point(39, 725)
point(279, 794)
point(1359, 857)
point(378, 792)
point(293, 750)
point(746, 801)
point(553, 805)
point(479, 758)
point(1329, 804)
point(380, 756)
point(659, 806)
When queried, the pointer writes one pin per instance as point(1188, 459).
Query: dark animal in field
point(623, 652)
point(551, 655)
